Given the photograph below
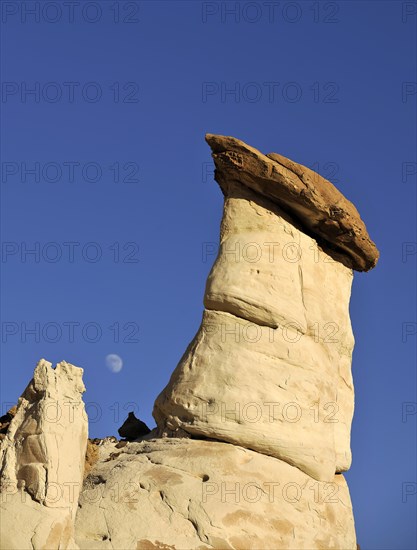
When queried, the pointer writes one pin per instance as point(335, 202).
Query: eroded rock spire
point(42, 461)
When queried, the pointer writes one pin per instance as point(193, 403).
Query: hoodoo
point(253, 428)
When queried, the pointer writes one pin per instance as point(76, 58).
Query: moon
point(114, 363)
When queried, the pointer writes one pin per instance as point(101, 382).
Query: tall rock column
point(42, 461)
point(270, 366)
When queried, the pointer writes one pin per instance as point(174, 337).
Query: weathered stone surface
point(5, 421)
point(274, 346)
point(91, 456)
point(183, 494)
point(314, 201)
point(265, 386)
point(42, 461)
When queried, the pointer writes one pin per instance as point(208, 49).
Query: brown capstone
point(314, 201)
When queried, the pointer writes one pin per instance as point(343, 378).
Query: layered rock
point(270, 367)
point(253, 428)
point(188, 494)
point(312, 199)
point(42, 461)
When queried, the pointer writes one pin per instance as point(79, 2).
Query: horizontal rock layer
point(322, 210)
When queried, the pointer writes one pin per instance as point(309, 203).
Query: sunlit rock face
point(322, 210)
point(42, 461)
point(253, 428)
point(270, 367)
point(182, 493)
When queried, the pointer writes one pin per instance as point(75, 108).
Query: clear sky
point(107, 179)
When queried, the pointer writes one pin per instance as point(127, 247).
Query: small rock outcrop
point(42, 461)
point(133, 428)
point(5, 421)
point(91, 456)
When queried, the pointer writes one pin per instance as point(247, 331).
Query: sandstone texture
point(42, 461)
point(253, 427)
point(188, 494)
point(270, 367)
point(312, 199)
point(5, 421)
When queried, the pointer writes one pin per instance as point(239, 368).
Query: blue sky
point(107, 178)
